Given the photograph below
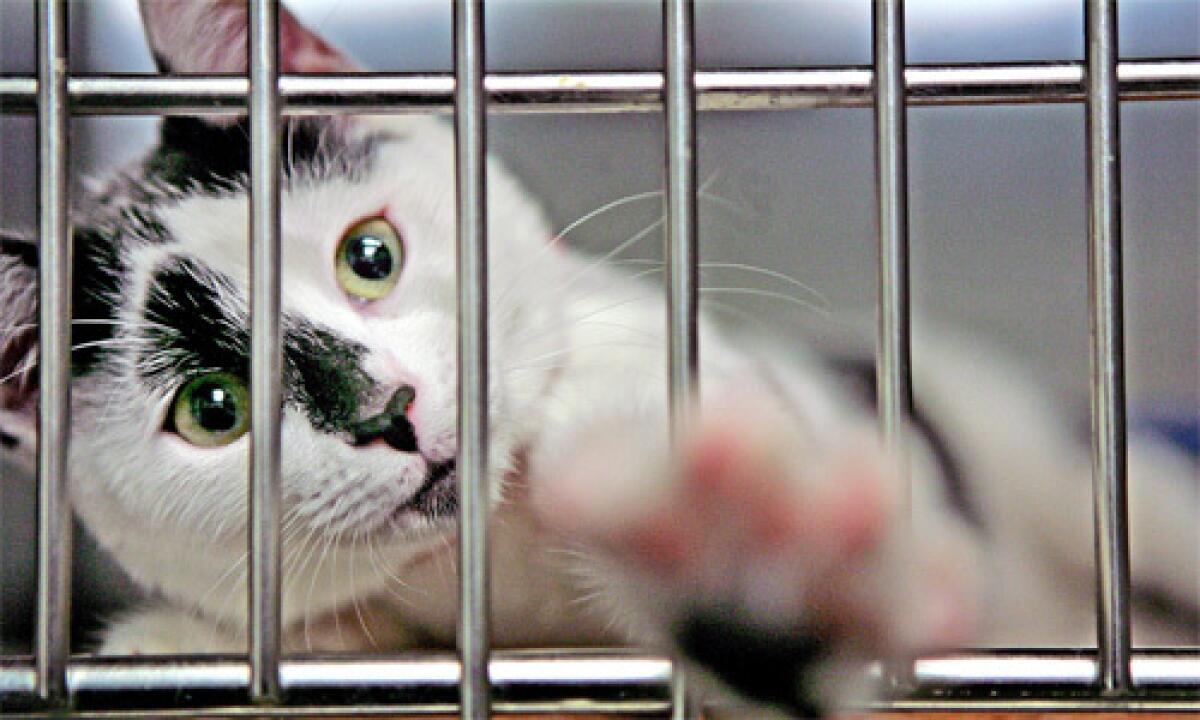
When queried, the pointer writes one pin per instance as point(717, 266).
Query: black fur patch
point(20, 248)
point(765, 664)
point(191, 333)
point(95, 281)
point(98, 276)
point(1159, 602)
point(195, 154)
point(860, 374)
point(325, 374)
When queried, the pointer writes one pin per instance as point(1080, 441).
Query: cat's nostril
point(392, 424)
point(400, 434)
point(401, 401)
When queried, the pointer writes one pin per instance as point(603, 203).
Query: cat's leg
point(1164, 497)
point(168, 630)
point(1027, 461)
point(1164, 541)
point(774, 560)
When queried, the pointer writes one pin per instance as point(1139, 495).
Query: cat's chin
point(432, 509)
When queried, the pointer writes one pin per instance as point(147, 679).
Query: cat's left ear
point(18, 345)
point(209, 37)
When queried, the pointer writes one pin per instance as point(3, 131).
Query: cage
point(883, 88)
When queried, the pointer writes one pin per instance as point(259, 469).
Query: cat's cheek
point(180, 449)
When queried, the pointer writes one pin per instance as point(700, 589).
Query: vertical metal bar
point(682, 247)
point(53, 641)
point(684, 704)
point(470, 124)
point(893, 360)
point(681, 244)
point(1108, 346)
point(893, 364)
point(265, 352)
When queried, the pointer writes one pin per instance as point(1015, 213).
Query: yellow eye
point(212, 410)
point(369, 259)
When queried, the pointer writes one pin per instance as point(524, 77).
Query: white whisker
point(769, 273)
point(770, 294)
point(605, 208)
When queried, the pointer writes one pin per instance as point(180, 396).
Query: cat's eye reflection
point(211, 410)
point(369, 259)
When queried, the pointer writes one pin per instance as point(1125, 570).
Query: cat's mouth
point(438, 497)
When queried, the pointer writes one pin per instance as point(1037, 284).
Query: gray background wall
point(998, 209)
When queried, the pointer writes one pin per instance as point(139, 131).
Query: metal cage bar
point(1108, 347)
point(53, 635)
point(893, 362)
point(681, 245)
point(266, 355)
point(541, 681)
point(470, 124)
point(775, 89)
point(584, 681)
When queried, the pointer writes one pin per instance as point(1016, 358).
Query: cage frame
point(1112, 676)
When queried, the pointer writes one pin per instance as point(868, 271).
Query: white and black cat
point(763, 546)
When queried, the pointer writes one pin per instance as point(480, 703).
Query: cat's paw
point(167, 631)
point(766, 559)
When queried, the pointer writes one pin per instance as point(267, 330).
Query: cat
point(766, 545)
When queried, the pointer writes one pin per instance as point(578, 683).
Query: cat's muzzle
point(438, 497)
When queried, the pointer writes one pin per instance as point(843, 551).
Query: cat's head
point(160, 370)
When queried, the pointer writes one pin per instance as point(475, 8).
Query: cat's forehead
point(213, 229)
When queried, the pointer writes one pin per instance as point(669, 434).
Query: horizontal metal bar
point(985, 704)
point(583, 681)
point(610, 92)
point(522, 681)
point(1066, 668)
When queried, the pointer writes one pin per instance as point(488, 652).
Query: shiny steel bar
point(681, 245)
point(470, 126)
point(681, 248)
point(893, 364)
point(524, 681)
point(266, 355)
point(585, 681)
point(984, 84)
point(1106, 316)
point(52, 642)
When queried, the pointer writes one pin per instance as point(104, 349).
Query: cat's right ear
point(209, 37)
point(18, 346)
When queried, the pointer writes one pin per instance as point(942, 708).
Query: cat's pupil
point(369, 257)
point(214, 408)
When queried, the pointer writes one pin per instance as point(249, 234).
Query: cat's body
point(778, 504)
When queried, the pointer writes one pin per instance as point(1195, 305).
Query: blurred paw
point(167, 631)
point(766, 560)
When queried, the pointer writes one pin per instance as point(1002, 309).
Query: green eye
point(212, 410)
point(369, 259)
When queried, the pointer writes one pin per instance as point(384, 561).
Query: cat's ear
point(18, 345)
point(198, 37)
point(189, 37)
